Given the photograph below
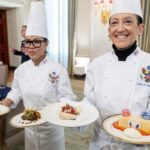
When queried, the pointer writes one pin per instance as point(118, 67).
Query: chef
point(39, 82)
point(120, 79)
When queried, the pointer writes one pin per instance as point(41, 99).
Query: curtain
point(57, 20)
point(144, 40)
point(71, 35)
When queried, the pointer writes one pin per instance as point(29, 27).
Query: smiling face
point(124, 29)
point(36, 47)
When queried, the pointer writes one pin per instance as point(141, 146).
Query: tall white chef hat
point(126, 6)
point(37, 21)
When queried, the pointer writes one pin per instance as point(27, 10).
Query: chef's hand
point(6, 102)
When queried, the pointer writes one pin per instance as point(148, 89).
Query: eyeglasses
point(35, 43)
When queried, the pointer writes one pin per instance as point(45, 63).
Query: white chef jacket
point(39, 86)
point(113, 85)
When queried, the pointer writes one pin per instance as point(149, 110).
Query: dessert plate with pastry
point(28, 118)
point(70, 113)
point(128, 127)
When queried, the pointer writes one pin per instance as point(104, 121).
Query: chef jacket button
point(134, 63)
point(130, 80)
point(105, 78)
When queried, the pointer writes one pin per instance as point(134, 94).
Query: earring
point(138, 37)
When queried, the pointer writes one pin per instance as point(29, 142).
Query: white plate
point(87, 115)
point(118, 134)
point(4, 110)
point(16, 121)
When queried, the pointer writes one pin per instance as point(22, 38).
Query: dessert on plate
point(131, 124)
point(69, 112)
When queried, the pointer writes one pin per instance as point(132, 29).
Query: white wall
point(99, 41)
point(13, 35)
point(82, 27)
point(91, 34)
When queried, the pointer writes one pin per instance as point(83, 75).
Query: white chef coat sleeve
point(64, 90)
point(89, 95)
point(15, 94)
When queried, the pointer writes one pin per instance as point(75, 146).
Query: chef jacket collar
point(124, 53)
point(42, 62)
point(133, 55)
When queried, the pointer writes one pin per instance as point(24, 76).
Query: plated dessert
point(133, 125)
point(69, 112)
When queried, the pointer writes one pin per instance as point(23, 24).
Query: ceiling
point(11, 3)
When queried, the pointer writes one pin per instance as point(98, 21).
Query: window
point(57, 20)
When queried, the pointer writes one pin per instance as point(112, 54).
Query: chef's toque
point(126, 6)
point(37, 22)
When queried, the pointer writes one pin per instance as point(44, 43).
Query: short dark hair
point(139, 19)
point(45, 39)
point(24, 26)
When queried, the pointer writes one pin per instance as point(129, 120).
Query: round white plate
point(87, 115)
point(17, 122)
point(4, 110)
point(118, 134)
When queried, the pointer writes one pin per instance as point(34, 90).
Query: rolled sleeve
point(13, 95)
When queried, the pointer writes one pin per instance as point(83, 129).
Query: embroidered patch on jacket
point(53, 77)
point(145, 75)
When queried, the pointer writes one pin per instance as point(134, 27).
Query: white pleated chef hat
point(37, 21)
point(126, 6)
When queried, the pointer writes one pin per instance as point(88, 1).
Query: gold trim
point(118, 138)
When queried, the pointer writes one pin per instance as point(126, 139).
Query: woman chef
point(38, 82)
point(116, 81)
